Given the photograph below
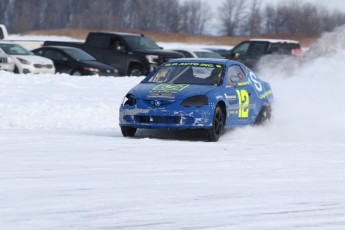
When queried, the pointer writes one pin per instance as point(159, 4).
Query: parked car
point(221, 51)
point(25, 61)
point(132, 54)
point(198, 53)
point(6, 62)
point(250, 51)
point(75, 61)
point(197, 93)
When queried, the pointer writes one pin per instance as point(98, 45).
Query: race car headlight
point(23, 61)
point(152, 59)
point(197, 101)
point(129, 100)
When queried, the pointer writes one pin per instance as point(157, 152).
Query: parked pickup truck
point(250, 52)
point(132, 54)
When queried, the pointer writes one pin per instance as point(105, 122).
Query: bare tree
point(138, 16)
point(255, 18)
point(269, 17)
point(109, 13)
point(232, 15)
point(310, 20)
point(188, 16)
point(168, 16)
point(194, 15)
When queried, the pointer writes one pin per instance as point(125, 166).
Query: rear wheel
point(264, 115)
point(215, 131)
point(128, 131)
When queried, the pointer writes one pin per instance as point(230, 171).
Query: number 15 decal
point(243, 102)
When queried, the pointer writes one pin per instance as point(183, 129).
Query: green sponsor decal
point(197, 64)
point(170, 87)
point(266, 94)
point(167, 90)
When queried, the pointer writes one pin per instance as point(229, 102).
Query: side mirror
point(121, 49)
point(237, 55)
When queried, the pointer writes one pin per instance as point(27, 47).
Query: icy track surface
point(65, 164)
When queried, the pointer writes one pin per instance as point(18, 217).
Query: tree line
point(231, 17)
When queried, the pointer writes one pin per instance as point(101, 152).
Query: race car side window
point(234, 76)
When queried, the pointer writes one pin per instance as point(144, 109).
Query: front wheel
point(128, 131)
point(76, 73)
point(215, 131)
point(136, 70)
point(16, 70)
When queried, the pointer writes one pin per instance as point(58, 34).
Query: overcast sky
point(331, 4)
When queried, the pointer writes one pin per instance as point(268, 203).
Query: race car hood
point(169, 91)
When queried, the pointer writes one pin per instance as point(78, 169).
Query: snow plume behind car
point(310, 97)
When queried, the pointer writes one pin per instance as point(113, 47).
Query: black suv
point(250, 51)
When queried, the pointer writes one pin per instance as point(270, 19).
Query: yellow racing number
point(243, 102)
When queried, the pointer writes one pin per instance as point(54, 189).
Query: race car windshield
point(182, 73)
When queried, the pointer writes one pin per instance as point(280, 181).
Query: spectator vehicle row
point(75, 61)
point(51, 60)
point(125, 54)
point(132, 54)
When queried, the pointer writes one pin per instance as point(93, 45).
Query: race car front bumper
point(166, 118)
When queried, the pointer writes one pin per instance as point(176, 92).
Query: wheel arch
point(222, 105)
point(134, 64)
point(264, 114)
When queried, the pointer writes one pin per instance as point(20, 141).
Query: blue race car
point(207, 94)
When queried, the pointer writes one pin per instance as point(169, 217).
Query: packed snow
point(65, 164)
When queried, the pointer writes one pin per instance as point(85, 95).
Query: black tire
point(128, 131)
point(264, 115)
point(16, 70)
point(136, 70)
point(218, 122)
point(76, 73)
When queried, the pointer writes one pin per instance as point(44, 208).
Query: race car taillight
point(196, 101)
point(129, 100)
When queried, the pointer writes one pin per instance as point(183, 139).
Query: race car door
point(240, 96)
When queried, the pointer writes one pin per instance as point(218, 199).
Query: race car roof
point(204, 60)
